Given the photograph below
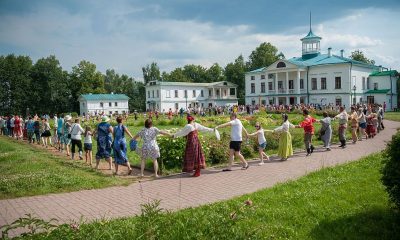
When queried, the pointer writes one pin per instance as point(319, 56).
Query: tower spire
point(310, 20)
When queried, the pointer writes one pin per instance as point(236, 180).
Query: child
point(262, 142)
point(87, 145)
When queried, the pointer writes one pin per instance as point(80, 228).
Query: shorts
point(59, 135)
point(235, 145)
point(46, 133)
point(87, 146)
point(363, 125)
point(262, 145)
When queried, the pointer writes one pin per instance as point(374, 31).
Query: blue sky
point(127, 35)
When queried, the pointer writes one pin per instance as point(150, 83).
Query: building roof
point(380, 91)
point(322, 59)
point(104, 97)
point(190, 84)
point(257, 70)
point(384, 73)
point(311, 35)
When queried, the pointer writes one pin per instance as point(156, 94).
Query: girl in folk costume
point(285, 148)
point(193, 158)
point(343, 119)
point(354, 124)
point(17, 127)
point(326, 131)
point(262, 142)
point(307, 125)
point(371, 125)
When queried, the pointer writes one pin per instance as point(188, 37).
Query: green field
point(344, 202)
point(394, 116)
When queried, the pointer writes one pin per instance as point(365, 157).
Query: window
point(115, 104)
point(110, 104)
point(168, 93)
point(338, 101)
point(201, 93)
point(363, 83)
point(263, 102)
point(152, 93)
point(338, 82)
point(101, 105)
point(253, 102)
point(252, 77)
point(210, 92)
point(271, 76)
point(313, 84)
point(291, 84)
point(280, 65)
point(301, 84)
point(176, 104)
point(232, 91)
point(323, 83)
point(262, 87)
point(202, 105)
point(368, 82)
point(253, 88)
point(262, 76)
point(270, 86)
point(148, 94)
point(194, 93)
point(376, 86)
point(176, 94)
point(116, 112)
point(185, 94)
point(158, 93)
point(280, 85)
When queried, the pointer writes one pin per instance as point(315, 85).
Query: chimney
point(329, 52)
point(341, 52)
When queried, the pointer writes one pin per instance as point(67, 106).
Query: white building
point(320, 79)
point(163, 96)
point(103, 103)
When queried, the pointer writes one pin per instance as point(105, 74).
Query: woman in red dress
point(193, 158)
point(17, 127)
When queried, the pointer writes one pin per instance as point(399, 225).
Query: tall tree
point(358, 55)
point(215, 73)
point(151, 73)
point(85, 79)
point(15, 84)
point(195, 73)
point(234, 72)
point(177, 75)
point(264, 55)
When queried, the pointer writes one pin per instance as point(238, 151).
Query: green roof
point(257, 70)
point(311, 35)
point(104, 97)
point(190, 84)
point(322, 59)
point(380, 91)
point(384, 73)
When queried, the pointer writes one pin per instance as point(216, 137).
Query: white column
point(298, 82)
point(298, 100)
point(287, 82)
point(220, 93)
point(213, 91)
point(276, 83)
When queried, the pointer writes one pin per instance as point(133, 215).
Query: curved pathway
point(182, 191)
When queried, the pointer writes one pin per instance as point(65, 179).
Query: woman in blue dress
point(119, 146)
point(104, 141)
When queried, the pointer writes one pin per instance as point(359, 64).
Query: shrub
point(171, 151)
point(247, 150)
point(391, 169)
point(217, 155)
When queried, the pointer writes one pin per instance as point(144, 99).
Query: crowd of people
point(365, 122)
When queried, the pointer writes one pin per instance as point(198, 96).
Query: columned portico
point(287, 82)
point(298, 82)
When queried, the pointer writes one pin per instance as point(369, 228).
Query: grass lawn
point(26, 171)
point(394, 116)
point(344, 202)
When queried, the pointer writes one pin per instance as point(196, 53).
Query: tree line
point(44, 87)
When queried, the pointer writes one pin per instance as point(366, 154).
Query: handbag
point(69, 134)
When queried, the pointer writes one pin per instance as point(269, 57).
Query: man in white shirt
point(236, 141)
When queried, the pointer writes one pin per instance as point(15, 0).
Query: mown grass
point(344, 202)
point(26, 171)
point(394, 116)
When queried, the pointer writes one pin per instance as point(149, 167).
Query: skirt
point(285, 148)
point(46, 133)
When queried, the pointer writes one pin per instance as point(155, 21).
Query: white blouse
point(285, 127)
point(191, 127)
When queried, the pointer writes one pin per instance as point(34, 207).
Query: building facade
point(163, 96)
point(323, 79)
point(103, 103)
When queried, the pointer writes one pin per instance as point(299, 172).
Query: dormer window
point(280, 65)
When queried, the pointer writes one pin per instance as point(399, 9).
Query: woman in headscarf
point(104, 140)
point(119, 146)
point(285, 148)
point(193, 158)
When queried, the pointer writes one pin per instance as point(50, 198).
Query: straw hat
point(68, 117)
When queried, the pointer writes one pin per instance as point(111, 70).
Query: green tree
point(358, 55)
point(234, 72)
point(264, 55)
point(84, 79)
point(151, 73)
point(177, 75)
point(15, 82)
point(195, 73)
point(215, 73)
point(49, 86)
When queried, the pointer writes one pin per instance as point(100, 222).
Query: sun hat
point(68, 117)
point(105, 119)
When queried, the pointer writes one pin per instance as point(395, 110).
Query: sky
point(127, 35)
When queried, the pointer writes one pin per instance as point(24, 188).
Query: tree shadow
point(372, 224)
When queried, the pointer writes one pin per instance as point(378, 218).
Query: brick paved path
point(183, 191)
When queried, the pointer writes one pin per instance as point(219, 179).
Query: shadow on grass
point(373, 224)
